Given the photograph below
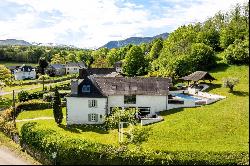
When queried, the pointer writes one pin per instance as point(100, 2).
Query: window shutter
point(89, 117)
point(90, 103)
point(95, 103)
point(96, 117)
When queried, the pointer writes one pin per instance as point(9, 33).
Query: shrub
point(61, 86)
point(25, 96)
point(48, 96)
point(230, 83)
point(119, 115)
point(45, 77)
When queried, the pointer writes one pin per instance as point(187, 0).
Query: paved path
point(8, 157)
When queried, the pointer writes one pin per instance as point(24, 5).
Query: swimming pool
point(188, 97)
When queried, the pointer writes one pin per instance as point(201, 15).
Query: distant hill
point(14, 42)
point(133, 40)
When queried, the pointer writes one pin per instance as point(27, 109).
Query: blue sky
point(92, 23)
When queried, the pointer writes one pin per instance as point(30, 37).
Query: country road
point(8, 157)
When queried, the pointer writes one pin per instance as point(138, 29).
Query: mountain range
point(109, 45)
point(133, 40)
point(14, 42)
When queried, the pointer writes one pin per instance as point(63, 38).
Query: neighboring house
point(55, 70)
point(94, 97)
point(96, 72)
point(24, 72)
point(74, 67)
point(12, 68)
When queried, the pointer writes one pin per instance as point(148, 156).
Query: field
point(218, 127)
point(7, 63)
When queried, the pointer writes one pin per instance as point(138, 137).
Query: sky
point(93, 23)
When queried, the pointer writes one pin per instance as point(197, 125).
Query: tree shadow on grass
point(172, 111)
point(212, 86)
point(84, 128)
point(240, 93)
point(219, 67)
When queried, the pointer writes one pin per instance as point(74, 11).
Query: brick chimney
point(83, 73)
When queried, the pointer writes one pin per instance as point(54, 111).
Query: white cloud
point(92, 23)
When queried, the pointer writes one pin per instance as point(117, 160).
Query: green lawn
point(221, 126)
point(93, 135)
point(38, 113)
point(8, 63)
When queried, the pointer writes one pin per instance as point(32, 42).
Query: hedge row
point(32, 105)
point(25, 95)
point(82, 152)
point(7, 125)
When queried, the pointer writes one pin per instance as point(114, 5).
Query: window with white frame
point(86, 88)
point(92, 103)
point(93, 117)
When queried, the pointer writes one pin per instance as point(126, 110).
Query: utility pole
point(14, 109)
point(43, 82)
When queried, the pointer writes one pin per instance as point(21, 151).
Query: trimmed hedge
point(83, 152)
point(25, 95)
point(32, 105)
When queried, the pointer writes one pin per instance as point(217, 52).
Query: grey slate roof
point(132, 85)
point(76, 64)
point(198, 75)
point(95, 71)
point(57, 66)
point(26, 68)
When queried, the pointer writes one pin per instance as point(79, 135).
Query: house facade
point(24, 72)
point(74, 67)
point(55, 70)
point(94, 97)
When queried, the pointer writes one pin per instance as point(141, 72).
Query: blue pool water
point(188, 97)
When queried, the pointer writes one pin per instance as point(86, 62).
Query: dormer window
point(86, 88)
point(113, 87)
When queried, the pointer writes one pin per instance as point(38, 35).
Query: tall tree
point(156, 49)
point(135, 62)
point(57, 109)
point(42, 64)
point(5, 75)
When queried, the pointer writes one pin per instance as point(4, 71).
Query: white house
point(93, 97)
point(24, 72)
point(74, 67)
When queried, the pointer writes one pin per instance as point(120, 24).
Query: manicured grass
point(38, 113)
point(93, 135)
point(8, 63)
point(221, 126)
point(10, 88)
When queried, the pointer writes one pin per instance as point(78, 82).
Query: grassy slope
point(222, 126)
point(7, 63)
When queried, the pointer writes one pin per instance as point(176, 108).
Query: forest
point(198, 46)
